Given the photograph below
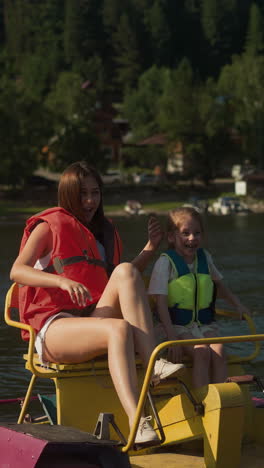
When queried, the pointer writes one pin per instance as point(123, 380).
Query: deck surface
point(252, 457)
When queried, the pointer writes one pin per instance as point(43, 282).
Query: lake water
point(236, 243)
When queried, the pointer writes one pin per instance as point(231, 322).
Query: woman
point(81, 302)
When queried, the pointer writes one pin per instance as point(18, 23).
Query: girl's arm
point(162, 308)
point(23, 272)
point(155, 236)
point(225, 293)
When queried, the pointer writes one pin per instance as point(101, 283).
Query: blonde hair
point(178, 215)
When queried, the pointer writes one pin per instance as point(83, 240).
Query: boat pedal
point(247, 379)
point(198, 406)
point(49, 406)
point(102, 428)
point(150, 444)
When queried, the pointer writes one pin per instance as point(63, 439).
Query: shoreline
point(19, 216)
point(159, 199)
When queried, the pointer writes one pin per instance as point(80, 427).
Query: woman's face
point(90, 197)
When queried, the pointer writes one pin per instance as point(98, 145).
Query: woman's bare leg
point(125, 295)
point(75, 340)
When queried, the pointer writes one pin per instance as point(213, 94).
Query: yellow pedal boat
point(216, 426)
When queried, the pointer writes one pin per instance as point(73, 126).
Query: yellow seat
point(82, 390)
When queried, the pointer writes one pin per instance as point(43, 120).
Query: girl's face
point(187, 238)
point(90, 197)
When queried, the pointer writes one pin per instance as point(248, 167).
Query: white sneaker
point(163, 369)
point(145, 433)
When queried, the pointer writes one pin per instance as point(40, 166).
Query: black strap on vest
point(59, 263)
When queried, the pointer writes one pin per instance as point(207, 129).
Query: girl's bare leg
point(219, 365)
point(125, 296)
point(74, 340)
point(218, 360)
point(201, 365)
point(201, 358)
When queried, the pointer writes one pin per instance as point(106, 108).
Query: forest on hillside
point(190, 69)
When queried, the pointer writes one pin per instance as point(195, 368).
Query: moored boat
point(228, 205)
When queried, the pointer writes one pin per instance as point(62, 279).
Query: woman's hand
point(78, 292)
point(155, 231)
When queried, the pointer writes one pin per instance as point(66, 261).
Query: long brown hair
point(177, 216)
point(69, 194)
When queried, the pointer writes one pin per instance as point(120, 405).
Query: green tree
point(71, 30)
point(127, 55)
point(17, 18)
point(177, 103)
point(255, 34)
point(242, 81)
point(73, 108)
point(191, 113)
point(76, 141)
point(156, 21)
point(141, 106)
point(66, 97)
point(222, 31)
point(112, 10)
point(25, 127)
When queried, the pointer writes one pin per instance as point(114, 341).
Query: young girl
point(80, 302)
point(184, 283)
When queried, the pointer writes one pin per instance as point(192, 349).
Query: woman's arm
point(155, 236)
point(23, 272)
point(37, 246)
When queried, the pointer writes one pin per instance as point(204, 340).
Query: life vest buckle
point(86, 256)
point(58, 265)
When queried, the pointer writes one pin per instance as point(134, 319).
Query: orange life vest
point(74, 255)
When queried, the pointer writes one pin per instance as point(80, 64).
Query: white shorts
point(195, 330)
point(40, 338)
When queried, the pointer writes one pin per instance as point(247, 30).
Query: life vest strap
point(59, 263)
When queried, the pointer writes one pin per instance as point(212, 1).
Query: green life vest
point(191, 296)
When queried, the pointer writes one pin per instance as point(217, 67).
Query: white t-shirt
point(163, 272)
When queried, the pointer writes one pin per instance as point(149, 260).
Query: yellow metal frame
point(168, 344)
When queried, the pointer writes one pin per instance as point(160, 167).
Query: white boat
point(133, 207)
point(228, 205)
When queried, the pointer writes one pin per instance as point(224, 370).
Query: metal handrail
point(169, 344)
point(252, 329)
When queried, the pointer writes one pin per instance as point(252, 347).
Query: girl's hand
point(241, 310)
point(155, 231)
point(78, 292)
